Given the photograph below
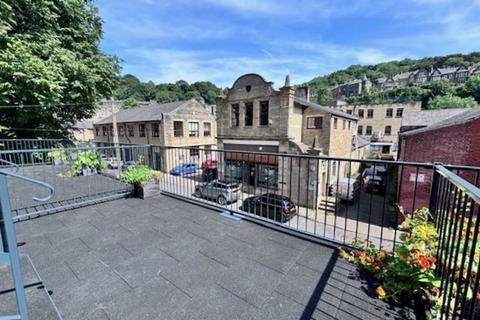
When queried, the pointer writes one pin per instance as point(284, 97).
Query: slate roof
point(324, 109)
point(428, 117)
point(150, 112)
point(461, 118)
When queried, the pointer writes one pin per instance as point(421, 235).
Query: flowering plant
point(410, 270)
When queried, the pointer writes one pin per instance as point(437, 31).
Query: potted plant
point(145, 181)
point(59, 155)
point(87, 163)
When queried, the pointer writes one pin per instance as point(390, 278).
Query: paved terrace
point(163, 258)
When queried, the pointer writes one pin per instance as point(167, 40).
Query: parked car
point(184, 169)
point(209, 174)
point(374, 184)
point(221, 191)
point(272, 206)
point(129, 163)
point(209, 164)
point(348, 189)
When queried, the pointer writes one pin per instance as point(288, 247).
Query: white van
point(348, 189)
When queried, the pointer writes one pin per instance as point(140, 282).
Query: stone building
point(380, 123)
point(254, 117)
point(182, 123)
point(355, 87)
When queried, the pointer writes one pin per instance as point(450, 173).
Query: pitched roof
point(324, 109)
point(151, 112)
point(461, 118)
point(428, 117)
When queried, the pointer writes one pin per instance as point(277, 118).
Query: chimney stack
point(303, 92)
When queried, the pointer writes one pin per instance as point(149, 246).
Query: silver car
point(221, 191)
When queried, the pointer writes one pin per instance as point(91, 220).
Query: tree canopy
point(132, 89)
point(50, 57)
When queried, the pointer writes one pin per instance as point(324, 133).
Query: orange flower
point(424, 263)
point(380, 292)
point(436, 290)
point(432, 259)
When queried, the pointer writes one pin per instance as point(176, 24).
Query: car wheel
point(221, 200)
point(197, 193)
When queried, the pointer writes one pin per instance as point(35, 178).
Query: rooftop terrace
point(163, 258)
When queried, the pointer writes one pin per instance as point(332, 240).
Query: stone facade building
point(182, 123)
point(254, 117)
point(352, 88)
point(380, 123)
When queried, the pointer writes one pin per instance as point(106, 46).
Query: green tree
point(471, 88)
point(451, 101)
point(130, 102)
point(50, 56)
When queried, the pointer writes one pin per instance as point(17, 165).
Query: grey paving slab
point(162, 258)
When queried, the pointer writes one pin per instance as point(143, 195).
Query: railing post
point(9, 247)
point(432, 205)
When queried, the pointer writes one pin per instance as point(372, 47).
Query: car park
point(186, 168)
point(221, 191)
point(271, 206)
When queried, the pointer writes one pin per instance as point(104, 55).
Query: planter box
point(146, 190)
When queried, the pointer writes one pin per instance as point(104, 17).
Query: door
point(251, 178)
point(386, 149)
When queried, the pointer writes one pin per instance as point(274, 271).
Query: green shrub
point(137, 174)
point(90, 158)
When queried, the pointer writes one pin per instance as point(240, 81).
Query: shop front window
point(233, 170)
point(268, 176)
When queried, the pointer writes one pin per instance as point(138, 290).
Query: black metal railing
point(337, 199)
point(455, 205)
point(81, 176)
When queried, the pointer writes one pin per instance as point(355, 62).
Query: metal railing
point(8, 243)
point(455, 205)
point(29, 144)
point(336, 199)
point(76, 182)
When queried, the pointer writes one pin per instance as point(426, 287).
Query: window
point(264, 113)
point(178, 128)
point(314, 122)
point(97, 131)
point(389, 113)
point(344, 125)
point(360, 130)
point(195, 152)
point(207, 129)
point(193, 129)
point(268, 176)
point(369, 130)
point(130, 131)
point(360, 113)
point(400, 112)
point(349, 125)
point(233, 170)
point(248, 114)
point(155, 130)
point(388, 130)
point(141, 130)
point(370, 113)
point(335, 123)
point(121, 130)
point(334, 168)
point(349, 111)
point(235, 115)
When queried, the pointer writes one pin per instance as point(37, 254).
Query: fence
point(29, 144)
point(455, 206)
point(80, 176)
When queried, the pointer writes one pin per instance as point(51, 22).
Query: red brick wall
point(458, 144)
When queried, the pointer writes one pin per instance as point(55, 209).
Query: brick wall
point(451, 145)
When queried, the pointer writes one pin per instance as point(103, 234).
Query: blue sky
point(219, 40)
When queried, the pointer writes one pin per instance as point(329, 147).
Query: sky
point(219, 40)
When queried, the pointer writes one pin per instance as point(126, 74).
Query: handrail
point(41, 183)
point(10, 163)
point(471, 190)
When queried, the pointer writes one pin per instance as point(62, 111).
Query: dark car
point(272, 206)
point(209, 174)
